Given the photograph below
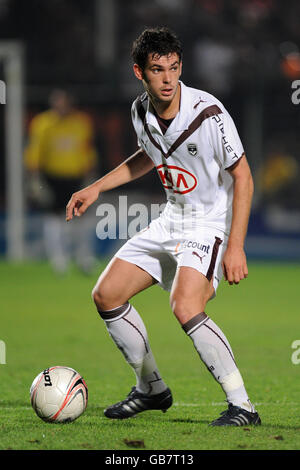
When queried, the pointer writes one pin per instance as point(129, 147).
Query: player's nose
point(166, 77)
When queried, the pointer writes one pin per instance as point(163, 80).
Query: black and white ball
point(59, 394)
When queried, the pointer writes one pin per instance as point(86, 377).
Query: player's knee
point(184, 308)
point(105, 299)
point(179, 306)
point(100, 298)
point(96, 297)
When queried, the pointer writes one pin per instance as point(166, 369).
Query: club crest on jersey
point(192, 148)
point(179, 180)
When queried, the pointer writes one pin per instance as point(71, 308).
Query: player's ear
point(138, 71)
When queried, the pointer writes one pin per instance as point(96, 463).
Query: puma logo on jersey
point(200, 257)
point(177, 179)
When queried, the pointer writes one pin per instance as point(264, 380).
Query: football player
point(189, 136)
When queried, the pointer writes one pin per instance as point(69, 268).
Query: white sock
point(215, 351)
point(128, 331)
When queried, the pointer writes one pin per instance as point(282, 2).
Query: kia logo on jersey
point(177, 179)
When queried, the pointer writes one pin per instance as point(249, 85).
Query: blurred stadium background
point(245, 52)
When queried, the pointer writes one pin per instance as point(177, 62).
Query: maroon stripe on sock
point(136, 328)
point(197, 319)
point(228, 349)
point(110, 314)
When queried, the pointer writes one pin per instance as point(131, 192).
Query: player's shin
point(215, 351)
point(128, 331)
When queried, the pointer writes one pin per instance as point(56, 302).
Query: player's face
point(160, 76)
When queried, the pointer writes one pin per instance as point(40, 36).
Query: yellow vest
point(61, 146)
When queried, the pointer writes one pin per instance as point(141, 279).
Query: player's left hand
point(234, 265)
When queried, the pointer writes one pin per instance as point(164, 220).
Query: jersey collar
point(182, 119)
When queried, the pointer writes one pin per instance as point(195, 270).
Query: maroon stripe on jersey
point(142, 114)
point(214, 255)
point(195, 124)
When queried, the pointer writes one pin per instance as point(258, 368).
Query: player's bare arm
point(136, 166)
point(234, 261)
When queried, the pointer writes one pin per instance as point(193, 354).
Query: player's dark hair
point(156, 41)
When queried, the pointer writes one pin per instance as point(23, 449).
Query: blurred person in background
point(215, 59)
point(60, 158)
point(278, 175)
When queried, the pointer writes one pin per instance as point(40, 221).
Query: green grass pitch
point(46, 321)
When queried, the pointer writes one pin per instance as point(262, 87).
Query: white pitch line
point(177, 404)
point(194, 405)
point(15, 407)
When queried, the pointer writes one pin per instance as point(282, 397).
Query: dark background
point(244, 52)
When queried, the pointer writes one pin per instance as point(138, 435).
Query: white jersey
point(192, 156)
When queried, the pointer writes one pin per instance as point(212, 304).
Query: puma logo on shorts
point(200, 257)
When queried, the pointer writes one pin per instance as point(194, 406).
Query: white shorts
point(159, 251)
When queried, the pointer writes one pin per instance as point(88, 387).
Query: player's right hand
point(80, 201)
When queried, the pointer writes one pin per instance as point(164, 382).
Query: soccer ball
point(59, 395)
